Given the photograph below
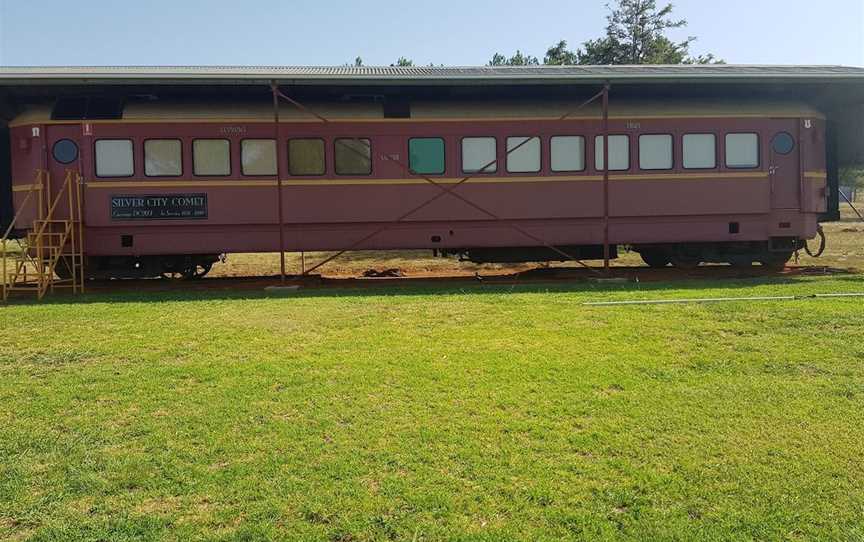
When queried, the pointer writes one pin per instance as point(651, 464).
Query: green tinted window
point(306, 157)
point(426, 155)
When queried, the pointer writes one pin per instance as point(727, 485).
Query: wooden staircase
point(51, 256)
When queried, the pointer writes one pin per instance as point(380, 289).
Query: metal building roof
point(837, 91)
point(425, 75)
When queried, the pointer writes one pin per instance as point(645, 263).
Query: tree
point(403, 62)
point(704, 59)
point(559, 55)
point(852, 180)
point(518, 59)
point(636, 34)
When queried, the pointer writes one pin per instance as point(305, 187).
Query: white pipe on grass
point(717, 299)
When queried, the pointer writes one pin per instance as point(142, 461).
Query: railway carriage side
point(683, 188)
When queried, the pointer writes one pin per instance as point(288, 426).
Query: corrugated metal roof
point(392, 74)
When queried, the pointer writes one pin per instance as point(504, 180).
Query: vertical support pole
point(273, 89)
point(801, 184)
point(44, 160)
point(78, 231)
point(3, 286)
point(42, 190)
point(606, 177)
point(78, 181)
point(44, 182)
point(45, 214)
point(73, 242)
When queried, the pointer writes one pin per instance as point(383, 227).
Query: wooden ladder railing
point(52, 256)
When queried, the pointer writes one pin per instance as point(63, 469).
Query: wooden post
point(274, 90)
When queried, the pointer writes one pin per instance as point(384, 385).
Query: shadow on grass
point(159, 291)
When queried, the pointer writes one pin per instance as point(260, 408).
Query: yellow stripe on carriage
point(234, 183)
point(820, 175)
point(179, 184)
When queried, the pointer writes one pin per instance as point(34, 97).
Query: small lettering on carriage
point(232, 130)
point(159, 207)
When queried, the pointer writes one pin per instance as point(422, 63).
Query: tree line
point(635, 34)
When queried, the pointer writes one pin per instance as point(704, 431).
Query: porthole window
point(783, 143)
point(65, 151)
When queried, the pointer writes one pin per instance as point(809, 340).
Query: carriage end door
point(63, 147)
point(784, 166)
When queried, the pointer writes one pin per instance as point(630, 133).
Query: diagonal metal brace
point(445, 189)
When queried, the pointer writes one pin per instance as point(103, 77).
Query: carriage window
point(567, 153)
point(742, 150)
point(619, 152)
point(114, 158)
point(163, 158)
point(353, 156)
point(65, 151)
point(699, 151)
point(258, 156)
point(655, 151)
point(211, 157)
point(478, 155)
point(783, 143)
point(426, 155)
point(306, 157)
point(526, 156)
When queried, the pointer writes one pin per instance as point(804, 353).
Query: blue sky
point(450, 32)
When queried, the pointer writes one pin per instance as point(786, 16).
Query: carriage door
point(784, 167)
point(64, 153)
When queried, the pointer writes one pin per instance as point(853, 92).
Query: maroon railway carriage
point(689, 182)
point(732, 164)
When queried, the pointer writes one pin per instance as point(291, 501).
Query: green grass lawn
point(482, 413)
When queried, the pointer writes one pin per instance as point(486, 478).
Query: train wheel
point(687, 263)
point(62, 269)
point(776, 261)
point(197, 271)
point(655, 258)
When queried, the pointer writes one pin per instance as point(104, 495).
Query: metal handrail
point(36, 186)
point(46, 258)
